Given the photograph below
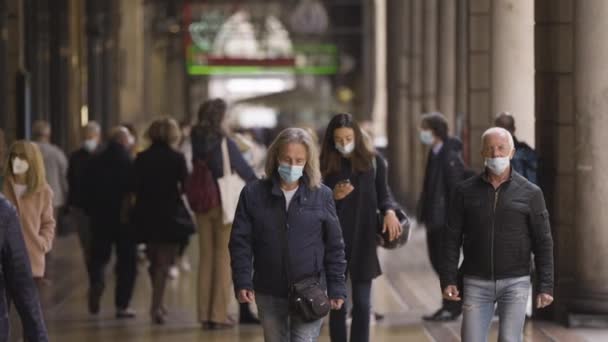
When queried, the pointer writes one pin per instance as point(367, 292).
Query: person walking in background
point(358, 177)
point(160, 173)
point(77, 179)
point(183, 145)
point(109, 186)
point(17, 278)
point(55, 163)
point(499, 219)
point(214, 274)
point(444, 169)
point(25, 186)
point(286, 229)
point(525, 160)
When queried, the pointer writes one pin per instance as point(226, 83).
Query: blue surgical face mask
point(426, 137)
point(346, 149)
point(290, 173)
point(497, 165)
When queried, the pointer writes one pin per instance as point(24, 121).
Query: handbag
point(183, 220)
point(230, 186)
point(306, 297)
point(200, 187)
point(383, 238)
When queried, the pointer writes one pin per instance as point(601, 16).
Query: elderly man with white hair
point(499, 219)
point(77, 178)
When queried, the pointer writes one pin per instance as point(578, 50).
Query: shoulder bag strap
point(226, 158)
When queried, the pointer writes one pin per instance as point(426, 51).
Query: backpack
point(201, 189)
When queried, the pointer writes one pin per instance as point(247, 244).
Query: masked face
point(20, 166)
point(290, 173)
point(497, 165)
point(90, 145)
point(292, 161)
point(347, 149)
point(426, 137)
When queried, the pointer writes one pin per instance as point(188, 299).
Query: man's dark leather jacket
point(498, 230)
point(16, 279)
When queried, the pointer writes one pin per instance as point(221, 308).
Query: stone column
point(512, 63)
point(447, 61)
point(416, 103)
point(479, 75)
point(591, 105)
point(429, 61)
point(398, 87)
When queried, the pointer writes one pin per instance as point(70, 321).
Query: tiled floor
point(408, 290)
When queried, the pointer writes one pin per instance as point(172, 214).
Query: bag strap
point(226, 158)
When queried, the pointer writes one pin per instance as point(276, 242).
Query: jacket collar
point(301, 194)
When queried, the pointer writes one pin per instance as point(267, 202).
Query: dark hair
point(211, 114)
point(437, 123)
point(506, 121)
point(362, 156)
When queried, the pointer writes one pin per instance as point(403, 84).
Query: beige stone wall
point(556, 121)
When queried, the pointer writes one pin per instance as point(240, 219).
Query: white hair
point(498, 131)
point(93, 127)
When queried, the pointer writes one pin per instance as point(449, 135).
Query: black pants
point(434, 236)
point(359, 329)
point(103, 237)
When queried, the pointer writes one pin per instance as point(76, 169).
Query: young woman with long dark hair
point(357, 175)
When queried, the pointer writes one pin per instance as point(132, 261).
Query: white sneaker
point(185, 265)
point(173, 272)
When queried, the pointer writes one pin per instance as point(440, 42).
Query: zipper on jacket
point(496, 193)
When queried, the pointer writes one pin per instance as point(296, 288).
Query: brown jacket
point(37, 223)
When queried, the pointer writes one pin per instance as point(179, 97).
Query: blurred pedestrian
point(444, 169)
point(286, 232)
point(109, 186)
point(184, 145)
point(525, 160)
point(499, 219)
point(56, 165)
point(25, 186)
point(77, 180)
point(214, 265)
point(358, 177)
point(160, 173)
point(17, 282)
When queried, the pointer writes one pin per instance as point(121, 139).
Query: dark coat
point(525, 161)
point(77, 174)
point(109, 182)
point(498, 231)
point(313, 234)
point(358, 218)
point(443, 172)
point(16, 278)
point(206, 145)
point(160, 173)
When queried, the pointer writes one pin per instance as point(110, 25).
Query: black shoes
point(93, 300)
point(248, 318)
point(442, 315)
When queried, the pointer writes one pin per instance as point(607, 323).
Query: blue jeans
point(480, 295)
point(280, 326)
point(359, 328)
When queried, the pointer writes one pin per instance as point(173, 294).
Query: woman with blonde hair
point(286, 236)
point(25, 186)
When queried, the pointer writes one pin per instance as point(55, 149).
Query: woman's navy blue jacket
point(313, 233)
point(16, 278)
